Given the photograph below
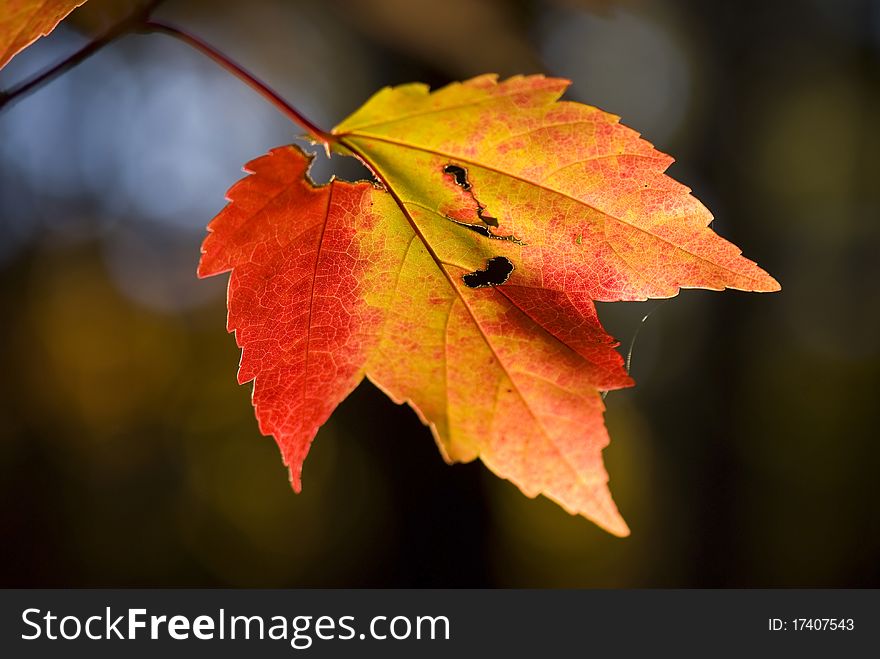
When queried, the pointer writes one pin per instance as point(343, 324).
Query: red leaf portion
point(295, 299)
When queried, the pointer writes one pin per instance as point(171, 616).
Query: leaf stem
point(140, 21)
point(127, 24)
point(242, 74)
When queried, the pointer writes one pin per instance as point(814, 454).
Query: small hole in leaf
point(459, 174)
point(485, 231)
point(496, 272)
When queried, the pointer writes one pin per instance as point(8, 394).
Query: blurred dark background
point(747, 455)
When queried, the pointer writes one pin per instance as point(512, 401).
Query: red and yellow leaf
point(587, 195)
point(24, 21)
point(465, 287)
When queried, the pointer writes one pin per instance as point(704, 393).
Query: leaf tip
point(204, 269)
point(773, 286)
point(296, 480)
point(604, 514)
point(764, 283)
point(617, 527)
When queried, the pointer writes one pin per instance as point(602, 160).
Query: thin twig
point(128, 24)
point(244, 75)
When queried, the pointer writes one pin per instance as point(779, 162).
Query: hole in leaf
point(496, 272)
point(459, 174)
point(485, 231)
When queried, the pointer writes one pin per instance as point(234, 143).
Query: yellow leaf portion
point(587, 195)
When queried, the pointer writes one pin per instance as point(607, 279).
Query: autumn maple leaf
point(464, 285)
point(24, 21)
